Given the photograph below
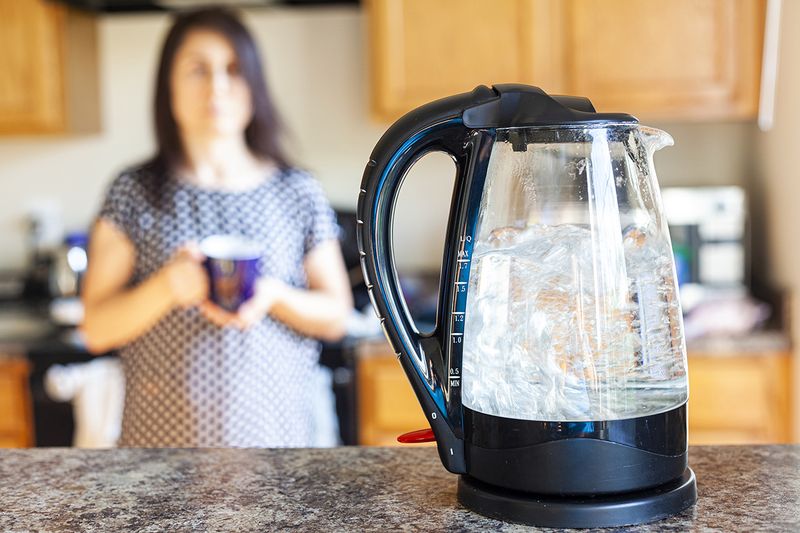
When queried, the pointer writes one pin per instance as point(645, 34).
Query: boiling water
point(562, 326)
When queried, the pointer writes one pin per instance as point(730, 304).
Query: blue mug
point(232, 266)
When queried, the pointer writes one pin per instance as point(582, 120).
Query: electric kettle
point(555, 378)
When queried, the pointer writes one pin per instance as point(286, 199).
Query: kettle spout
point(655, 139)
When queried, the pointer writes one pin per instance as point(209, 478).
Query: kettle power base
point(579, 512)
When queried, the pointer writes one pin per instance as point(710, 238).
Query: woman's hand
point(319, 311)
point(267, 292)
point(217, 315)
point(185, 277)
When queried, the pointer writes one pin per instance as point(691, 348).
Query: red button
point(421, 435)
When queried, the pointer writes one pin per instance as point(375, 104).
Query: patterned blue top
point(189, 382)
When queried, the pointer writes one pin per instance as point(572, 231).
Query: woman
point(197, 375)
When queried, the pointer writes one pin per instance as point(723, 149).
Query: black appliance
point(555, 378)
point(132, 6)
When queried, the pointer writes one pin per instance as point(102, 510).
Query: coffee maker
point(555, 379)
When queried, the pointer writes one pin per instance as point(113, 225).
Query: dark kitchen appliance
point(555, 379)
point(133, 6)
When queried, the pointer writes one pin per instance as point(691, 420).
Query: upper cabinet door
point(658, 59)
point(48, 69)
point(31, 93)
point(422, 50)
point(666, 59)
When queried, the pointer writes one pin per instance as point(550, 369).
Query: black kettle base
point(579, 512)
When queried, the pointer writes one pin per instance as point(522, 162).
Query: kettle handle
point(437, 126)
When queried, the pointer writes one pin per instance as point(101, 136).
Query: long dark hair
point(262, 134)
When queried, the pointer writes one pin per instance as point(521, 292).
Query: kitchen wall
point(317, 64)
point(777, 185)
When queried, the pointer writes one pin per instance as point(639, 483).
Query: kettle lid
point(513, 105)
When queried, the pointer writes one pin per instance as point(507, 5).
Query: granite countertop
point(741, 488)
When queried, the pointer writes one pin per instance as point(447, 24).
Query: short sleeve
point(320, 218)
point(119, 204)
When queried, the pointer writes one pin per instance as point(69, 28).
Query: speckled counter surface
point(748, 488)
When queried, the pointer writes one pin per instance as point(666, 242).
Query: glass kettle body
point(558, 358)
point(572, 311)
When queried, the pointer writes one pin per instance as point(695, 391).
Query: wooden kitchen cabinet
point(733, 398)
point(386, 403)
point(423, 50)
point(739, 398)
point(48, 61)
point(16, 415)
point(660, 59)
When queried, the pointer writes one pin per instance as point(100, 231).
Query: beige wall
point(777, 180)
point(316, 61)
